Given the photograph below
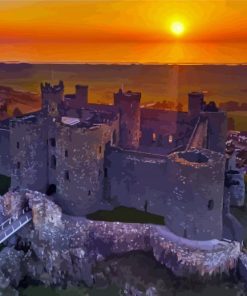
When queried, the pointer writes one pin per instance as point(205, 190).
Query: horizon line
point(122, 63)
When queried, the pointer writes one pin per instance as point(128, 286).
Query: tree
point(179, 107)
point(17, 112)
point(211, 107)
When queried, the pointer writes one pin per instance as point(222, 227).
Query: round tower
point(128, 104)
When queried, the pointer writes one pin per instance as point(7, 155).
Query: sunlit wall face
point(124, 31)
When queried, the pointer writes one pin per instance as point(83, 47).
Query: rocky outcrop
point(188, 257)
point(242, 266)
point(131, 290)
point(46, 214)
point(63, 249)
point(13, 203)
point(11, 271)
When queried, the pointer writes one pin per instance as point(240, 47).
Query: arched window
point(53, 162)
point(154, 137)
point(210, 204)
point(53, 142)
point(51, 189)
point(159, 140)
point(114, 138)
point(66, 175)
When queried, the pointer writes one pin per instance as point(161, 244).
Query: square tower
point(128, 104)
point(195, 103)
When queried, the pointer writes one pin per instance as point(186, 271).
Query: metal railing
point(201, 127)
point(193, 134)
point(13, 224)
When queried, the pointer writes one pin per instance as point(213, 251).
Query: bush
point(4, 184)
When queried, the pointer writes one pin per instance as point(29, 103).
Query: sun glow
point(177, 28)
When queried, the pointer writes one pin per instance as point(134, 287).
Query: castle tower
point(52, 96)
point(195, 103)
point(128, 104)
point(81, 95)
point(28, 153)
point(217, 130)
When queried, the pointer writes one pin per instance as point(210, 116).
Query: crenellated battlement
point(128, 96)
point(24, 120)
point(48, 88)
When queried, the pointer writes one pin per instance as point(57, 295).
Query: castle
point(90, 157)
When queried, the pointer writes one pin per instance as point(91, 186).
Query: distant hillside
point(240, 119)
point(18, 101)
point(25, 102)
point(157, 83)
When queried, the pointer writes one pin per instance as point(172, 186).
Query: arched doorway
point(51, 189)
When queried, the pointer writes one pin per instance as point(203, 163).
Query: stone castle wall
point(189, 193)
point(28, 150)
point(135, 179)
point(158, 125)
point(75, 244)
point(52, 133)
point(4, 152)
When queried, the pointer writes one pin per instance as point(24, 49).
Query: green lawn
point(240, 119)
point(4, 184)
point(129, 215)
point(72, 291)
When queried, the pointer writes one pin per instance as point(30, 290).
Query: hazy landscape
point(157, 83)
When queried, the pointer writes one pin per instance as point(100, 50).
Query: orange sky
point(108, 21)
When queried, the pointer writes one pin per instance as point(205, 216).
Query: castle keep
point(90, 157)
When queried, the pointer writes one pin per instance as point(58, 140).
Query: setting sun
point(155, 31)
point(177, 28)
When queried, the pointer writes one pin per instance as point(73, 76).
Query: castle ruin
point(90, 157)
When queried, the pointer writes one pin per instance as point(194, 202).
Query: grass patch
point(72, 291)
point(4, 184)
point(240, 119)
point(128, 215)
point(40, 291)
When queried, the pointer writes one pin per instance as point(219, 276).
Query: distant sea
point(126, 52)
